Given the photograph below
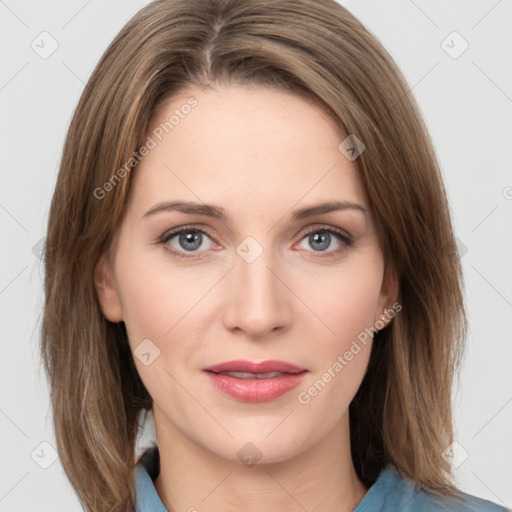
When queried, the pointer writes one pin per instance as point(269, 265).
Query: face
point(259, 283)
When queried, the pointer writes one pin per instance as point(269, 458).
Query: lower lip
point(256, 390)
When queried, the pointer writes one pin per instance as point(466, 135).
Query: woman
point(250, 239)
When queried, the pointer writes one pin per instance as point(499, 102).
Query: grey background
point(467, 103)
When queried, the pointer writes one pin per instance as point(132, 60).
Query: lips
point(255, 382)
point(255, 368)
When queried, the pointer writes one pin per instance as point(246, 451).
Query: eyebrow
point(219, 213)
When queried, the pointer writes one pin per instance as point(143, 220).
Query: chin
point(256, 447)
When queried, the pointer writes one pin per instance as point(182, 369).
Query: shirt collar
point(147, 499)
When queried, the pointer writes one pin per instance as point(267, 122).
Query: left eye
point(190, 240)
point(320, 239)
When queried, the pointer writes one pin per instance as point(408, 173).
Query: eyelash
point(346, 240)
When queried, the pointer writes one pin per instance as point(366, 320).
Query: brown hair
point(401, 415)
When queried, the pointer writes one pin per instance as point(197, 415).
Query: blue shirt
point(389, 493)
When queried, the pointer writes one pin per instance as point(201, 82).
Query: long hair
point(402, 413)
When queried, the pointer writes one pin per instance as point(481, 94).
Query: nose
point(258, 302)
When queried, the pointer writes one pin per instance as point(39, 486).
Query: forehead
point(267, 145)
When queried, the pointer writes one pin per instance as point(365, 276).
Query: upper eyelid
point(171, 233)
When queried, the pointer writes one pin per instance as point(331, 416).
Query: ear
point(388, 297)
point(107, 291)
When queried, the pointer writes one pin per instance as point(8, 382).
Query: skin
point(259, 153)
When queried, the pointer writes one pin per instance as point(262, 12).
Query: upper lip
point(250, 367)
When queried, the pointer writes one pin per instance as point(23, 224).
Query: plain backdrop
point(456, 57)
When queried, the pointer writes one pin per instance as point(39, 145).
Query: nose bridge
point(259, 301)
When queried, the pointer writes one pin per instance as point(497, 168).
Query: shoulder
point(391, 492)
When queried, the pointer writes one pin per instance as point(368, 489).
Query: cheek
point(154, 295)
point(346, 301)
point(147, 305)
point(155, 305)
point(348, 306)
point(164, 304)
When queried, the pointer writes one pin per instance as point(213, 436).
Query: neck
point(321, 478)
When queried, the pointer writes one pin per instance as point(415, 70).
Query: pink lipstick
point(255, 382)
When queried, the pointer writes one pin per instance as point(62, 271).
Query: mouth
point(245, 375)
point(255, 382)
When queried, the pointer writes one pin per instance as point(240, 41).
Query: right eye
point(188, 240)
